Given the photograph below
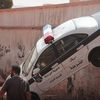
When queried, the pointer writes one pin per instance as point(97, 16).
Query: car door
point(75, 56)
point(51, 71)
point(60, 60)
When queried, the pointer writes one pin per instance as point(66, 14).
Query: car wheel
point(34, 96)
point(94, 56)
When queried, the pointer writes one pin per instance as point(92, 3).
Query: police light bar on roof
point(48, 34)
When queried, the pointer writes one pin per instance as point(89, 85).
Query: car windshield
point(27, 65)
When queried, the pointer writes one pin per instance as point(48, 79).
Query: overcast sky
point(26, 3)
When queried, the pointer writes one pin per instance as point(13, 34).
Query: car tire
point(94, 56)
point(34, 96)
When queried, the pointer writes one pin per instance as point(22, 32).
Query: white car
point(71, 47)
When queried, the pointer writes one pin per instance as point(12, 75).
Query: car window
point(57, 49)
point(27, 65)
point(67, 43)
point(46, 58)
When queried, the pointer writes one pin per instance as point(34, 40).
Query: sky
point(30, 3)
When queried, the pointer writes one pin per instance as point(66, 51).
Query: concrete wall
point(79, 0)
point(36, 17)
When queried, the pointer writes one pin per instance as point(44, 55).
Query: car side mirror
point(36, 71)
point(36, 75)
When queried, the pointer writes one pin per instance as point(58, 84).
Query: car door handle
point(72, 59)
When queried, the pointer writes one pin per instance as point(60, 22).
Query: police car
point(62, 52)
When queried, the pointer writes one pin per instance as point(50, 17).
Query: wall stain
point(4, 50)
point(21, 50)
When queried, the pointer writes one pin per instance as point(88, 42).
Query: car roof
point(97, 17)
point(82, 24)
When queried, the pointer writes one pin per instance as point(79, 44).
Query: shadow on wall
point(4, 50)
point(6, 56)
point(81, 94)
